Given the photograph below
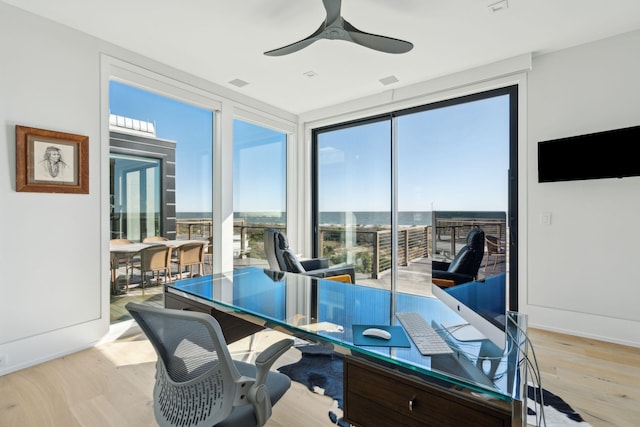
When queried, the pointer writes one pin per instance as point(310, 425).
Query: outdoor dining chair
point(190, 254)
point(154, 259)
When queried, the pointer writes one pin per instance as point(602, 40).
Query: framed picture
point(51, 162)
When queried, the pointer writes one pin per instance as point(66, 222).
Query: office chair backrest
point(196, 380)
point(279, 255)
point(275, 242)
point(469, 257)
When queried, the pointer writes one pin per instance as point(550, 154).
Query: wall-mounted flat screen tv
point(609, 154)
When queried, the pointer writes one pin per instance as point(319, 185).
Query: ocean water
point(356, 218)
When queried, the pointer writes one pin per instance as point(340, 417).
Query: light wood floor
point(111, 384)
point(601, 381)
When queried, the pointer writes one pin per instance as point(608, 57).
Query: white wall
point(54, 254)
point(51, 271)
point(582, 269)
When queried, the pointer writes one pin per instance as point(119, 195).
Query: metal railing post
point(375, 265)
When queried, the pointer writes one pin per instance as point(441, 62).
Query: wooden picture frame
point(51, 162)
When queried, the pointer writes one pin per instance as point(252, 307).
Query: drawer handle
point(412, 402)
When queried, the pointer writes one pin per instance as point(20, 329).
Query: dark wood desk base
point(378, 396)
point(233, 328)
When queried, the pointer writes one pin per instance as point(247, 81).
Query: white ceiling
point(224, 40)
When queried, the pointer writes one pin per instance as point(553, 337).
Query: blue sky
point(192, 129)
point(451, 158)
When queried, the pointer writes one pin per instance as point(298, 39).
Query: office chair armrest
point(266, 358)
point(258, 395)
point(315, 264)
point(440, 265)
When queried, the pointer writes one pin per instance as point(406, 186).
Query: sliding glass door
point(395, 192)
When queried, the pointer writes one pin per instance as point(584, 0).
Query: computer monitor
point(482, 305)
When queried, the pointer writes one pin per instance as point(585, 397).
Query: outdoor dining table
point(127, 251)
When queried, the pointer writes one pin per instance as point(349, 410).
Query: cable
point(534, 369)
point(531, 366)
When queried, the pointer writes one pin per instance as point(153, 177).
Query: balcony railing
point(369, 248)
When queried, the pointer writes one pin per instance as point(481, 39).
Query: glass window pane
point(259, 189)
point(453, 164)
point(354, 197)
point(135, 196)
point(180, 137)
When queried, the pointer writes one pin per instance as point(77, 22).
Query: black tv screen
point(609, 154)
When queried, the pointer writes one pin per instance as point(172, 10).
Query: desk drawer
point(377, 396)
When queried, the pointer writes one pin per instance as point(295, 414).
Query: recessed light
point(389, 80)
point(238, 83)
point(498, 6)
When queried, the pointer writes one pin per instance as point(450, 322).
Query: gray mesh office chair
point(197, 381)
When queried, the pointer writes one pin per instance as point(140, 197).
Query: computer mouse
point(376, 333)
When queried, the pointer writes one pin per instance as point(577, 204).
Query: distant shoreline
point(356, 218)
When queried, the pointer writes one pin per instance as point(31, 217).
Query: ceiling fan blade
point(335, 27)
point(296, 46)
point(377, 42)
point(293, 47)
point(333, 10)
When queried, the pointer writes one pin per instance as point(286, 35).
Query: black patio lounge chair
point(282, 258)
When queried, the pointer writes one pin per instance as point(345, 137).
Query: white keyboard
point(427, 340)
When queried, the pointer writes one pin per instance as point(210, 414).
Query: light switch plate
point(545, 218)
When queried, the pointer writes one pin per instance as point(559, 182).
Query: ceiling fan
point(335, 27)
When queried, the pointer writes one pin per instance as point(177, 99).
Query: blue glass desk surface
point(327, 310)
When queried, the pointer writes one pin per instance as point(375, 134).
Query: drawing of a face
point(55, 156)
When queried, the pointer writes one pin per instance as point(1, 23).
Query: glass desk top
point(325, 310)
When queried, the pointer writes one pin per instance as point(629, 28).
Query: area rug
point(557, 412)
point(320, 370)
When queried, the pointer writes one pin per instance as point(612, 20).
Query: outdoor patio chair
point(151, 239)
point(464, 267)
point(190, 254)
point(495, 249)
point(197, 383)
point(282, 258)
point(154, 259)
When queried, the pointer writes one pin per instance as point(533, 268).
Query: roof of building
point(132, 126)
